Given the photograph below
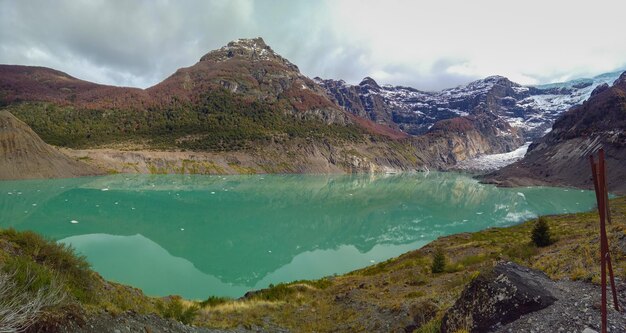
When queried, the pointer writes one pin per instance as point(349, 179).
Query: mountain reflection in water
point(223, 235)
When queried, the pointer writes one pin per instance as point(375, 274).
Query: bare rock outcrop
point(498, 297)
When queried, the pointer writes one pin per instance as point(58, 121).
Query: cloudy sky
point(425, 44)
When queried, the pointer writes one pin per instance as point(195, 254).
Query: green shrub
point(218, 121)
point(175, 309)
point(322, 283)
point(27, 290)
point(28, 274)
point(520, 252)
point(439, 261)
point(275, 292)
point(50, 257)
point(541, 233)
point(214, 301)
point(433, 326)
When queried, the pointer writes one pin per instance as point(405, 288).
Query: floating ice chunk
point(73, 222)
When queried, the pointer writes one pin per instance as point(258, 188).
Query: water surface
point(198, 236)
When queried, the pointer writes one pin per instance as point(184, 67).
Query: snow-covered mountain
point(531, 109)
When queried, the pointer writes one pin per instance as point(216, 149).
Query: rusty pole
point(607, 218)
point(600, 199)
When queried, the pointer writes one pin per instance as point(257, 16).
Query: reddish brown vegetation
point(457, 125)
point(378, 128)
point(265, 80)
point(24, 83)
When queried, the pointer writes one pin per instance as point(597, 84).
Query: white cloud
point(425, 44)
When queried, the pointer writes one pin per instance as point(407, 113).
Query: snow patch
point(494, 161)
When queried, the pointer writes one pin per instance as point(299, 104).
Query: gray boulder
point(498, 297)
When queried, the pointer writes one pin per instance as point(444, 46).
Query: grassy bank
point(401, 293)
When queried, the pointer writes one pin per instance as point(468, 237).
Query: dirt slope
point(24, 155)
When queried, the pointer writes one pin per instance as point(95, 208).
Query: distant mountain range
point(531, 109)
point(562, 156)
point(248, 109)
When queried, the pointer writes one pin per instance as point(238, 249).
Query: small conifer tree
point(541, 233)
point(439, 261)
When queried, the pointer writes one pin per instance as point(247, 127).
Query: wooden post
point(607, 218)
point(602, 198)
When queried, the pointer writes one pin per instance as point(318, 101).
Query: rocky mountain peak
point(491, 81)
point(250, 49)
point(257, 43)
point(621, 80)
point(599, 89)
point(496, 79)
point(368, 81)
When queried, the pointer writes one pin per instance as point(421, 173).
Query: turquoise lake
point(198, 236)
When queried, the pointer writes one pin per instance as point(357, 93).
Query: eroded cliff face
point(441, 149)
point(562, 156)
point(295, 157)
point(24, 155)
point(458, 139)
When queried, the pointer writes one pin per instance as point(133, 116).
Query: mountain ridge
point(528, 108)
point(561, 156)
point(243, 100)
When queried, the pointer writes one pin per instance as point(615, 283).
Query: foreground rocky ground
point(514, 298)
point(576, 308)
